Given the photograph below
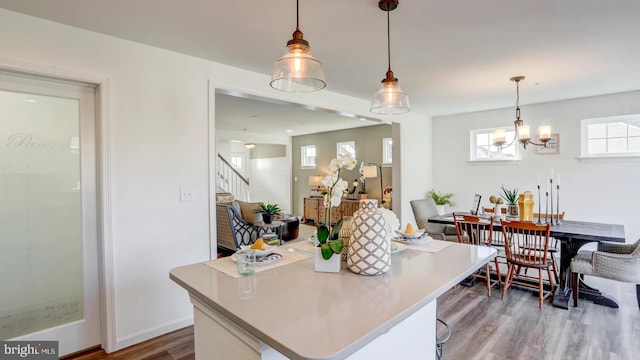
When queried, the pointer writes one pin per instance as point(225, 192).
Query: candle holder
point(546, 207)
point(551, 195)
point(539, 205)
point(558, 204)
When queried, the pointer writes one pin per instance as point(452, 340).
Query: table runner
point(228, 266)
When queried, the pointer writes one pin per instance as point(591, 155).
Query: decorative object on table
point(329, 242)
point(387, 193)
point(497, 204)
point(345, 234)
point(511, 197)
point(268, 211)
point(554, 220)
point(525, 205)
point(443, 201)
point(352, 192)
point(370, 244)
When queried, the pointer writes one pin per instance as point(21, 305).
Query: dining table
point(572, 235)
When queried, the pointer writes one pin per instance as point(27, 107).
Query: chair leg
point(498, 272)
point(540, 288)
point(552, 283)
point(507, 280)
point(555, 268)
point(574, 280)
point(487, 278)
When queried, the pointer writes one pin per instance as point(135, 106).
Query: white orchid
point(336, 187)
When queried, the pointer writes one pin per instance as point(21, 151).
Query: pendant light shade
point(389, 99)
point(297, 70)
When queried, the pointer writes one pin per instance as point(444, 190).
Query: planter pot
point(267, 218)
point(333, 265)
point(512, 210)
point(442, 209)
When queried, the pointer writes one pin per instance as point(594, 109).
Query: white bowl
point(414, 235)
point(268, 250)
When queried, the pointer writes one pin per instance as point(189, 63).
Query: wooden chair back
point(474, 229)
point(545, 216)
point(526, 243)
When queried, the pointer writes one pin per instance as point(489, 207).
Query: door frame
point(103, 186)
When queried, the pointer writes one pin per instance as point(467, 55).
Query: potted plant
point(443, 201)
point(497, 205)
point(268, 211)
point(511, 197)
point(329, 243)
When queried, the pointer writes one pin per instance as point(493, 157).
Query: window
point(308, 157)
point(617, 135)
point(387, 151)
point(348, 147)
point(482, 147)
point(236, 162)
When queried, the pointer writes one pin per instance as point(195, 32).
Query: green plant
point(509, 195)
point(272, 209)
point(329, 242)
point(441, 199)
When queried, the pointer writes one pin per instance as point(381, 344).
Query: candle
point(552, 174)
point(538, 180)
point(547, 187)
point(558, 180)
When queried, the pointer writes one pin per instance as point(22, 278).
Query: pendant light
point(297, 70)
point(389, 99)
point(522, 131)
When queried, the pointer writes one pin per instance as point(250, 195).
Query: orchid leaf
point(323, 234)
point(335, 231)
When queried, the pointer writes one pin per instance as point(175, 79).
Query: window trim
point(387, 151)
point(473, 145)
point(351, 142)
point(584, 123)
point(303, 156)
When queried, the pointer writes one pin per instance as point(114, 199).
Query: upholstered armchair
point(232, 230)
point(620, 262)
point(423, 209)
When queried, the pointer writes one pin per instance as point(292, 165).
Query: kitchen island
point(294, 312)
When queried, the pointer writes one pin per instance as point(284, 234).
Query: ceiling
point(450, 56)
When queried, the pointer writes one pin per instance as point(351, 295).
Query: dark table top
point(581, 230)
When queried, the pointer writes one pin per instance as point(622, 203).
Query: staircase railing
point(230, 180)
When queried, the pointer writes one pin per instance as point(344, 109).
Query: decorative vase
point(267, 218)
point(525, 203)
point(345, 235)
point(370, 244)
point(512, 210)
point(333, 265)
point(497, 210)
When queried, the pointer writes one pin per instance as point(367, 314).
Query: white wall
point(159, 137)
point(601, 191)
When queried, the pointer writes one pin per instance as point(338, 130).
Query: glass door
point(48, 231)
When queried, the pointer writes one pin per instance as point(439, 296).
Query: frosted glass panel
point(40, 213)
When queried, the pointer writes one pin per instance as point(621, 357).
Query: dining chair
point(554, 248)
point(423, 209)
point(620, 262)
point(478, 230)
point(527, 246)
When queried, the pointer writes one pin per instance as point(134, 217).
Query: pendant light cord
point(388, 39)
point(297, 15)
point(518, 100)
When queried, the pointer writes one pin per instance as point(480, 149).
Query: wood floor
point(489, 328)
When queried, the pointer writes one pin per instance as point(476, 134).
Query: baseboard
point(145, 335)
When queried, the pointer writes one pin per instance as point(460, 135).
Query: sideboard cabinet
point(314, 210)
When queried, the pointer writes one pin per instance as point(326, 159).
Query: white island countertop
point(305, 314)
